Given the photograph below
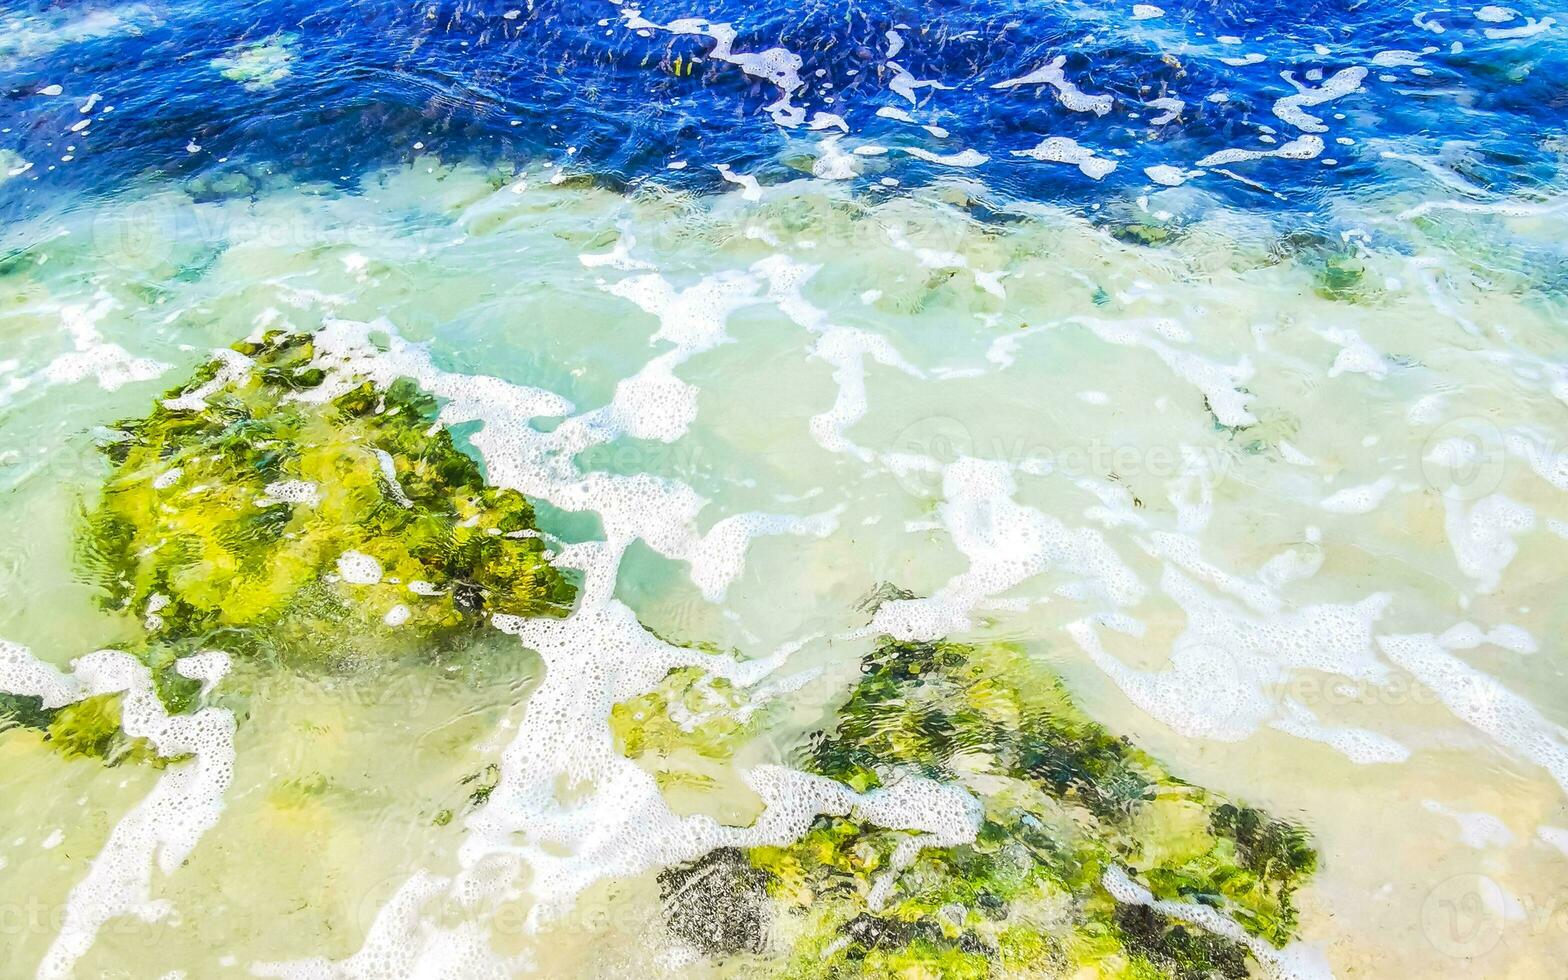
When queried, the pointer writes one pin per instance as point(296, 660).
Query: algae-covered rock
point(89, 728)
point(689, 711)
point(259, 65)
point(1065, 804)
point(687, 733)
point(292, 531)
point(1339, 272)
point(1151, 231)
point(246, 514)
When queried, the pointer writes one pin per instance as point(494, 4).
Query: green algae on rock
point(324, 534)
point(88, 729)
point(1339, 271)
point(689, 710)
point(689, 733)
point(259, 65)
point(1066, 804)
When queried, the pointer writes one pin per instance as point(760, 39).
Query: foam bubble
point(358, 568)
point(963, 158)
point(1063, 149)
point(1482, 535)
point(1006, 544)
point(1291, 108)
point(1220, 383)
point(1070, 95)
point(291, 492)
point(232, 366)
point(1360, 499)
point(110, 365)
point(1476, 829)
point(1529, 28)
point(1306, 147)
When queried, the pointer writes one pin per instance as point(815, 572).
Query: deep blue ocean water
point(369, 80)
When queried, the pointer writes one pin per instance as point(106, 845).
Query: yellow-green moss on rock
point(247, 513)
point(88, 729)
point(1064, 801)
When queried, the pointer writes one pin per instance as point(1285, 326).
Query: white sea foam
point(1361, 499)
point(1483, 702)
point(165, 827)
point(1071, 96)
point(1355, 356)
point(963, 158)
point(290, 492)
point(1359, 745)
point(847, 349)
point(1170, 176)
point(1482, 535)
point(110, 365)
point(1529, 28)
point(751, 190)
point(232, 366)
point(1006, 544)
point(1220, 383)
point(1476, 829)
point(358, 568)
point(1292, 108)
point(1170, 108)
point(1063, 149)
point(907, 85)
point(1219, 669)
point(1307, 147)
point(1554, 836)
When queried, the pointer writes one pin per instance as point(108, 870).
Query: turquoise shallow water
point(842, 562)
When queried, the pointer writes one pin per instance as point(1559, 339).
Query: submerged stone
point(89, 728)
point(1065, 804)
point(718, 904)
point(688, 711)
point(1150, 232)
point(1338, 270)
point(260, 65)
point(288, 530)
point(245, 513)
